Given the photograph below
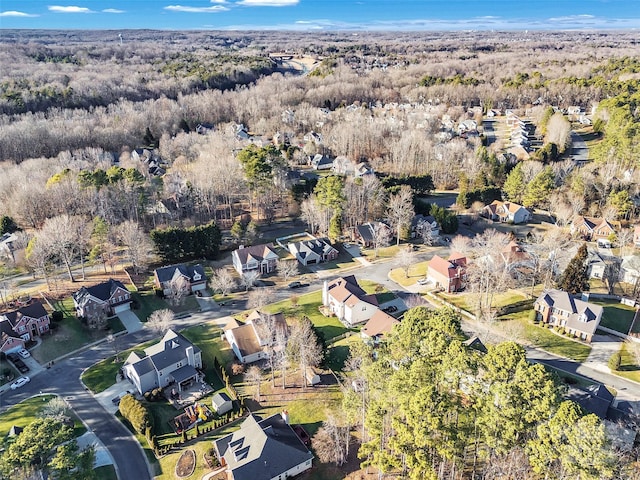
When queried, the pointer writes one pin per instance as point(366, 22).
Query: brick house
point(22, 325)
point(449, 274)
point(578, 317)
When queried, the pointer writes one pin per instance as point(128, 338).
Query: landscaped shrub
point(137, 414)
point(57, 316)
point(533, 316)
point(615, 361)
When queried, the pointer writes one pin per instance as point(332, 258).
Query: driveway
point(354, 251)
point(207, 304)
point(602, 347)
point(130, 321)
point(103, 457)
point(117, 390)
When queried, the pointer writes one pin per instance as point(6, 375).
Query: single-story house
point(193, 276)
point(380, 324)
point(266, 449)
point(221, 403)
point(252, 340)
point(506, 212)
point(310, 252)
point(174, 359)
point(111, 297)
point(591, 228)
point(450, 274)
point(578, 317)
point(262, 258)
point(366, 234)
point(348, 301)
point(22, 325)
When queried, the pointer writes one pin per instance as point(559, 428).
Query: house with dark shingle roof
point(576, 316)
point(22, 325)
point(110, 297)
point(193, 275)
point(173, 359)
point(262, 258)
point(263, 450)
point(366, 233)
point(311, 252)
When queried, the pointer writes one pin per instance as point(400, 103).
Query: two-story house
point(268, 449)
point(450, 274)
point(22, 325)
point(192, 275)
point(348, 301)
point(578, 317)
point(591, 228)
point(261, 258)
point(110, 297)
point(252, 340)
point(174, 359)
point(506, 212)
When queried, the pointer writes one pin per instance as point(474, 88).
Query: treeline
point(435, 408)
point(180, 244)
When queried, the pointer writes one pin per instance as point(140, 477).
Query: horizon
point(319, 16)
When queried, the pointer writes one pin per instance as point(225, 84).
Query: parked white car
point(20, 382)
point(24, 353)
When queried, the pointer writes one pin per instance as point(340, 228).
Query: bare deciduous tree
point(405, 258)
point(160, 321)
point(400, 210)
point(331, 442)
point(178, 290)
point(304, 347)
point(288, 269)
point(253, 376)
point(137, 244)
point(222, 281)
point(381, 236)
point(249, 279)
point(260, 297)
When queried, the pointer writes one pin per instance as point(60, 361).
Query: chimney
point(190, 356)
point(285, 416)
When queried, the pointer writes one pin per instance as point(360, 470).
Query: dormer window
point(583, 317)
point(196, 276)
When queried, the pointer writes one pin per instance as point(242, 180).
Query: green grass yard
point(307, 305)
point(629, 367)
point(416, 272)
point(106, 472)
point(148, 303)
point(468, 301)
point(28, 410)
point(616, 315)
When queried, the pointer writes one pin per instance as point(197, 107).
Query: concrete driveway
point(118, 389)
point(602, 347)
point(130, 321)
point(103, 457)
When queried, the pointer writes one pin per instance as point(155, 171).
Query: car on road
point(20, 365)
point(20, 382)
point(296, 285)
point(24, 353)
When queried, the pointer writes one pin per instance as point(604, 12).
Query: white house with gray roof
point(266, 449)
point(311, 252)
point(173, 359)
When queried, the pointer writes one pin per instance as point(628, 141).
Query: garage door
point(121, 308)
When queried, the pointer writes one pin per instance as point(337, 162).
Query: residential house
point(578, 317)
point(467, 126)
point(591, 228)
point(311, 252)
point(506, 212)
point(110, 297)
point(266, 449)
point(193, 277)
point(597, 264)
point(380, 324)
point(205, 128)
point(420, 224)
point(450, 274)
point(314, 137)
point(262, 258)
point(366, 234)
point(221, 403)
point(343, 166)
point(321, 162)
point(173, 360)
point(362, 169)
point(348, 301)
point(630, 269)
point(6, 246)
point(594, 399)
point(252, 340)
point(22, 325)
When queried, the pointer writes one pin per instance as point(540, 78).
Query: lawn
point(28, 410)
point(307, 305)
point(416, 271)
point(384, 252)
point(629, 367)
point(70, 334)
point(616, 315)
point(189, 304)
point(148, 303)
point(544, 338)
point(338, 352)
point(207, 337)
point(106, 472)
point(468, 301)
point(344, 260)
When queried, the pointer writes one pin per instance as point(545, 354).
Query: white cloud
point(218, 1)
point(268, 3)
point(112, 10)
point(183, 8)
point(13, 13)
point(69, 9)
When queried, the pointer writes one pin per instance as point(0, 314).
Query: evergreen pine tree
point(575, 279)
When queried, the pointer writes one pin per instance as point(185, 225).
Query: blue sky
point(310, 15)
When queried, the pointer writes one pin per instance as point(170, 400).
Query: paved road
point(579, 149)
